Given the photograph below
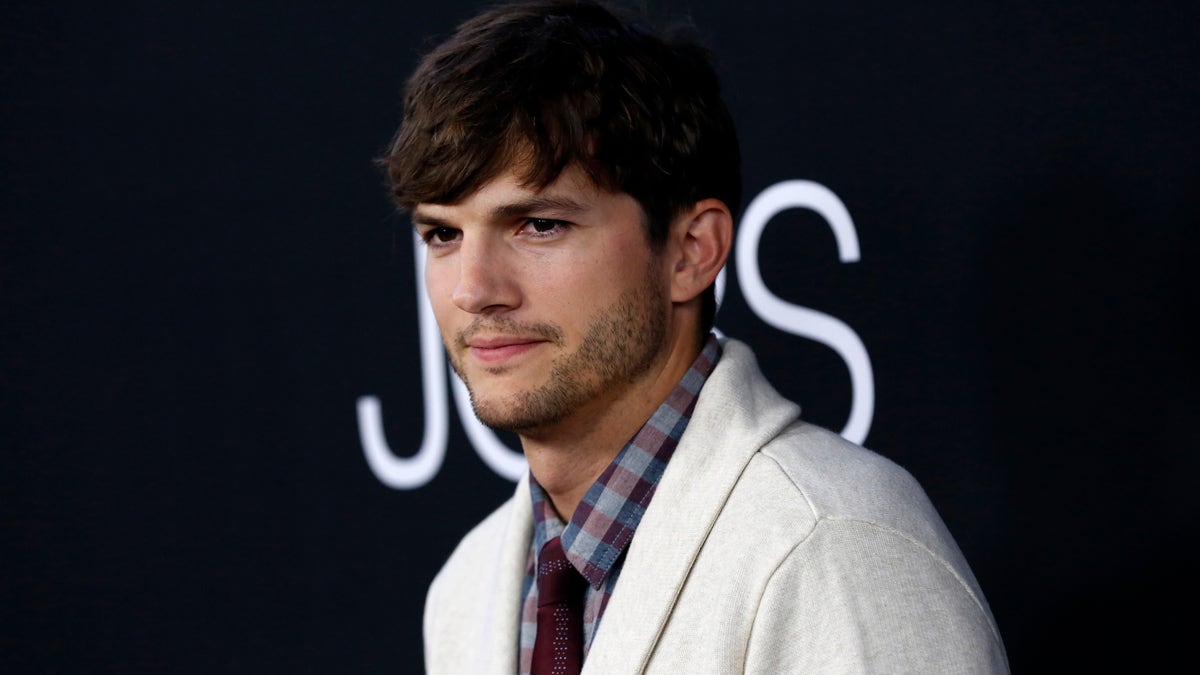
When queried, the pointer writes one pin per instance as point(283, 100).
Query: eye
point(440, 235)
point(543, 226)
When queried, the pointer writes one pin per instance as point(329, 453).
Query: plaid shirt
point(604, 522)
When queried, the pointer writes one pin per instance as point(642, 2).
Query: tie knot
point(557, 578)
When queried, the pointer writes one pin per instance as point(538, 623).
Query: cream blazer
point(770, 546)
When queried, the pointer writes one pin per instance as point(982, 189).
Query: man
point(574, 178)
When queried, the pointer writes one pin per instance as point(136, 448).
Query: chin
point(520, 411)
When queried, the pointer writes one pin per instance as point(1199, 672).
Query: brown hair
point(543, 84)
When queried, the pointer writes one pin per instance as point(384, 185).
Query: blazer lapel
point(734, 416)
point(503, 615)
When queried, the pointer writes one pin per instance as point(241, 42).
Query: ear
point(701, 238)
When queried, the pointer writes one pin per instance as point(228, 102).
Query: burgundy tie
point(558, 647)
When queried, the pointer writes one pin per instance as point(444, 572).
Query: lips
point(496, 342)
point(497, 350)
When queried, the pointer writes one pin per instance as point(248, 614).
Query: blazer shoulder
point(841, 480)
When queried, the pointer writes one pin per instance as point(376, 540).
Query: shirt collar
point(607, 517)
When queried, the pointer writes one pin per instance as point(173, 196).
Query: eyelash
point(430, 236)
point(554, 224)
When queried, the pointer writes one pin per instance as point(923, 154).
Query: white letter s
point(799, 320)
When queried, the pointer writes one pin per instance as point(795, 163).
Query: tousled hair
point(539, 85)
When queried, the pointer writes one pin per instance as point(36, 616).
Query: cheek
point(573, 292)
point(564, 291)
point(629, 262)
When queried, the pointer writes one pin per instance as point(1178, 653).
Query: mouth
point(498, 350)
point(497, 344)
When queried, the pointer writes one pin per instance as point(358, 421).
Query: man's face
point(551, 303)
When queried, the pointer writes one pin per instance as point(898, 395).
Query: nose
point(485, 280)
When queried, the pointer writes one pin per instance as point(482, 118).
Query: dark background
point(202, 272)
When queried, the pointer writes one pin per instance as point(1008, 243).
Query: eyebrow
point(419, 218)
point(541, 203)
point(558, 206)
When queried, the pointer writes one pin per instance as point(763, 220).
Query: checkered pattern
point(606, 519)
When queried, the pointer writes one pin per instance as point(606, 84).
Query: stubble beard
point(620, 346)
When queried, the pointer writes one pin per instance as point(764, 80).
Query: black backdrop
point(202, 274)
